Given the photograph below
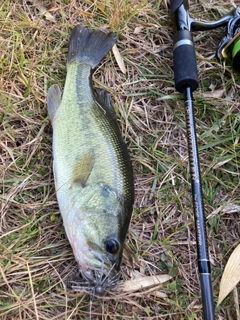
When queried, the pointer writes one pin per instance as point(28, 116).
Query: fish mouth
point(96, 281)
point(98, 273)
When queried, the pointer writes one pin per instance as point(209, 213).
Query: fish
point(92, 169)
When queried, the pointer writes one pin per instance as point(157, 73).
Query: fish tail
point(89, 46)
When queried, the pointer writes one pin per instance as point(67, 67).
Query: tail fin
point(89, 46)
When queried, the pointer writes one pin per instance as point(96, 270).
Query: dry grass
point(35, 256)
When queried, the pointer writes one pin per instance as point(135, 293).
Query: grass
point(35, 256)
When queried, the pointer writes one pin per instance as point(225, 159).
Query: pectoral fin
point(82, 168)
point(53, 100)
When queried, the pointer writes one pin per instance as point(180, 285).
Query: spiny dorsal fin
point(103, 98)
point(82, 168)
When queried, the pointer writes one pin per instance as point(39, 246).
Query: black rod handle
point(184, 55)
point(184, 59)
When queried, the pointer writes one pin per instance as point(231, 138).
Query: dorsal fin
point(53, 100)
point(103, 98)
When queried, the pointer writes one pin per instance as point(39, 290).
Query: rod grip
point(185, 64)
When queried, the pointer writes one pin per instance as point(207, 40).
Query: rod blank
point(198, 207)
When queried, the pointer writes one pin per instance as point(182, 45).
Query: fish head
point(97, 232)
point(97, 245)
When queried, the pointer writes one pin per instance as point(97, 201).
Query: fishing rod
point(186, 82)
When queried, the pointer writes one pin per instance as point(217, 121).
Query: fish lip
point(97, 275)
point(99, 270)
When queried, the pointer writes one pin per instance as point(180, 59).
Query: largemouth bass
point(92, 169)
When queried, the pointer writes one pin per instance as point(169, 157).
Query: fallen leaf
point(231, 275)
point(226, 208)
point(43, 10)
point(143, 282)
point(86, 13)
point(221, 163)
point(119, 59)
point(137, 30)
point(231, 208)
point(159, 294)
point(214, 94)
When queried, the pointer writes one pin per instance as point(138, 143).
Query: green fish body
point(92, 168)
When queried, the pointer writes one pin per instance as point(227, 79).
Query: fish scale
point(73, 130)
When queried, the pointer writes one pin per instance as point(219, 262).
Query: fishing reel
point(228, 49)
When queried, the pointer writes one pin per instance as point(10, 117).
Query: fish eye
point(112, 246)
